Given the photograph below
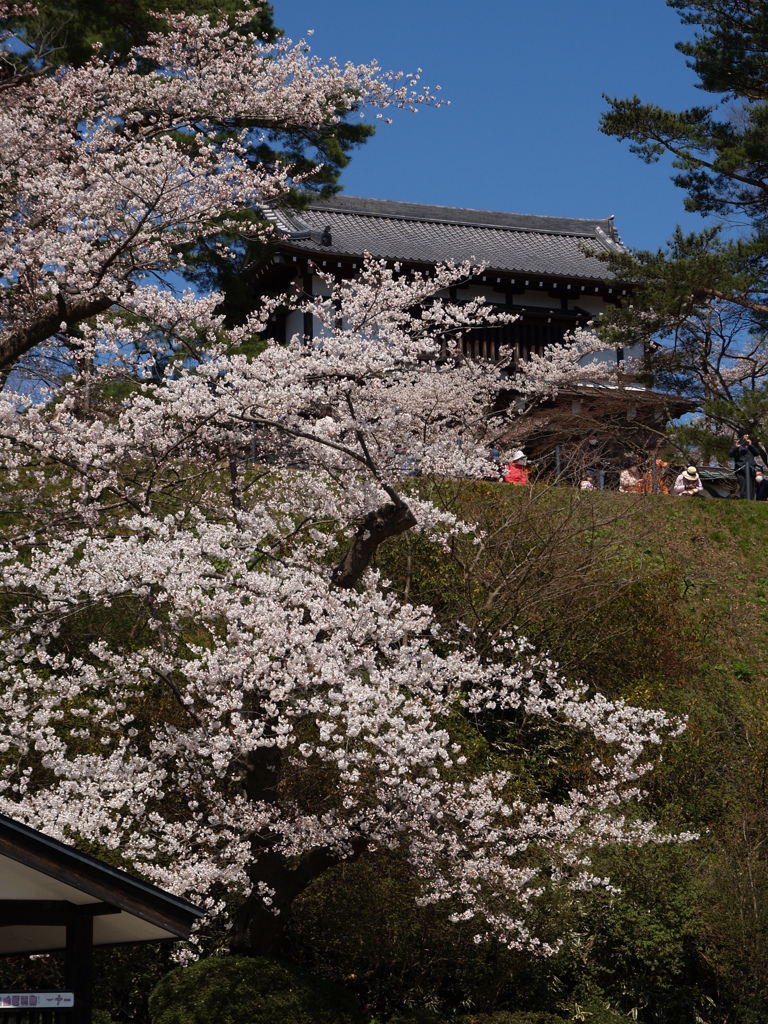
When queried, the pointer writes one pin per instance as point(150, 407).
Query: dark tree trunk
point(257, 928)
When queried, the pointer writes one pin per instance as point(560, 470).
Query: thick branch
point(17, 343)
point(736, 300)
point(387, 521)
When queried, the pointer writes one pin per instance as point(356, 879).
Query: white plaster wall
point(294, 325)
point(322, 289)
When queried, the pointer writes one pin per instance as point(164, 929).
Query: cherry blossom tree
point(203, 671)
point(108, 170)
point(576, 360)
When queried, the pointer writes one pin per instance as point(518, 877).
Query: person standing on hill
point(744, 453)
point(631, 477)
point(516, 472)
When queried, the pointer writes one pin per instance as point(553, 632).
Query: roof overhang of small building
point(46, 886)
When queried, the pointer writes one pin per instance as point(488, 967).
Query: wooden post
point(79, 967)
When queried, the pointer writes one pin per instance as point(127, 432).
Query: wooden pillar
point(79, 967)
point(309, 326)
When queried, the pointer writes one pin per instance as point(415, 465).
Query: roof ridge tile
point(465, 216)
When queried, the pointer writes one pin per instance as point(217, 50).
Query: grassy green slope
point(663, 601)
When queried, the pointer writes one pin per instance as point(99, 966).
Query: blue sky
point(525, 81)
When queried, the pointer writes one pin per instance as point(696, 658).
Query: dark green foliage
point(24, 974)
point(731, 56)
point(243, 990)
point(124, 978)
point(360, 924)
point(639, 949)
point(120, 25)
point(502, 1017)
point(507, 1017)
point(721, 153)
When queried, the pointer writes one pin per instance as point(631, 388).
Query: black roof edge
point(330, 256)
point(92, 876)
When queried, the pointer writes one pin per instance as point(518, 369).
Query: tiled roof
point(415, 233)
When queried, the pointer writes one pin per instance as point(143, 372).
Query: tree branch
point(386, 521)
point(17, 343)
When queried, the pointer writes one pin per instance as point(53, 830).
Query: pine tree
point(707, 292)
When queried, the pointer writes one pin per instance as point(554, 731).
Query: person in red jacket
point(516, 473)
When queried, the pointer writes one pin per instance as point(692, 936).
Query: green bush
point(507, 1017)
point(245, 990)
point(101, 1017)
point(500, 1017)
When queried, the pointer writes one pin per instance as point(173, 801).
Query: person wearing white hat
point(689, 482)
point(516, 472)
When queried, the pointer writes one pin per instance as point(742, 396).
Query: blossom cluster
point(174, 628)
point(577, 360)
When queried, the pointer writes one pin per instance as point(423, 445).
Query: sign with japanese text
point(41, 1000)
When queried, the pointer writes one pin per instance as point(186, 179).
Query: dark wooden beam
point(50, 912)
point(98, 880)
point(309, 320)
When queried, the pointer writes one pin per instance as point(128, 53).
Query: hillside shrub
point(249, 990)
